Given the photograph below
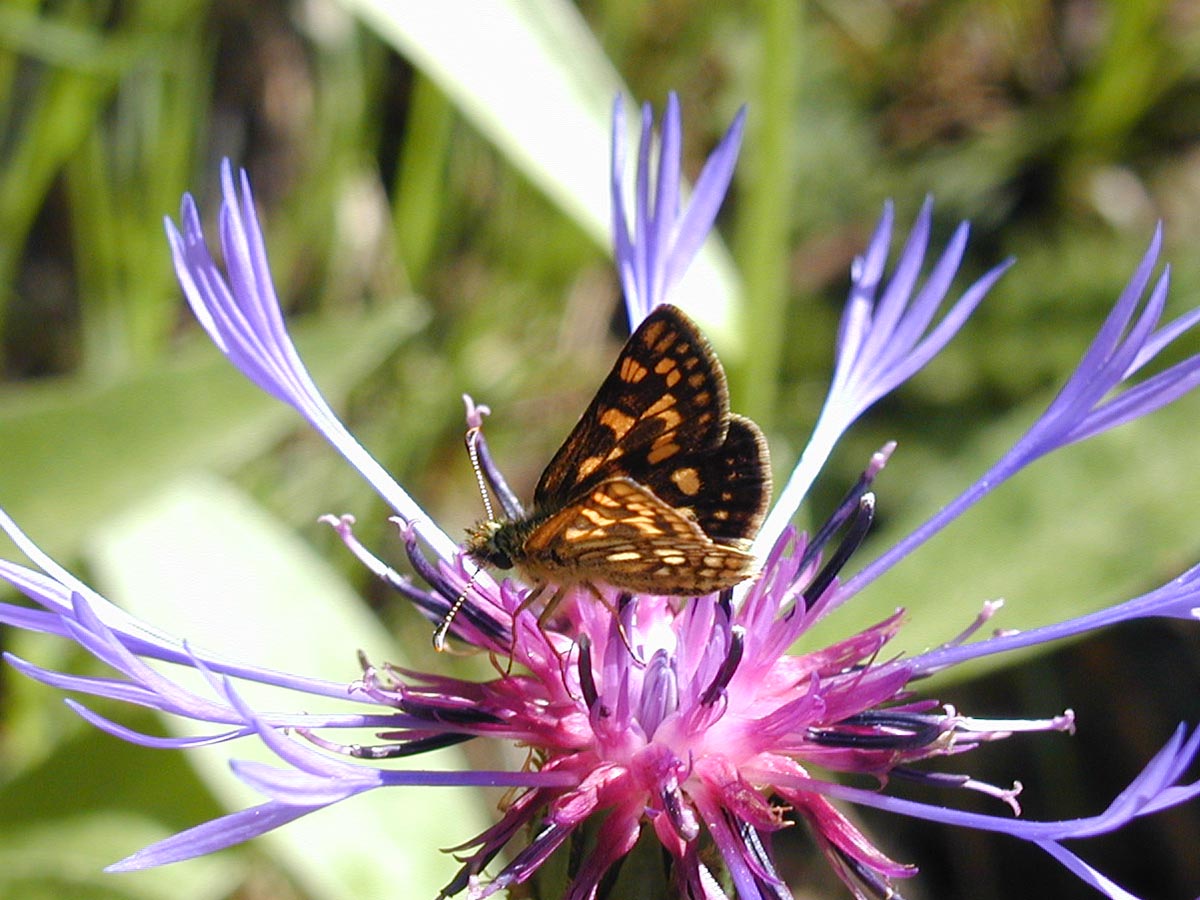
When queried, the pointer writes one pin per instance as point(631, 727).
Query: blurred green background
point(433, 230)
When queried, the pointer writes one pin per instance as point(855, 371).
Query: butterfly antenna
point(443, 629)
point(473, 454)
point(440, 633)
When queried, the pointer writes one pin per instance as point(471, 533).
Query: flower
point(688, 719)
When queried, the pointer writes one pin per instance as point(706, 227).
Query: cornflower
point(688, 719)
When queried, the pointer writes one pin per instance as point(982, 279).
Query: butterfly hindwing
point(726, 487)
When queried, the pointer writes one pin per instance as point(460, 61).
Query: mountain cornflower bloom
point(688, 718)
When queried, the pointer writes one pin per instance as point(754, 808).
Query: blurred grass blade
point(419, 187)
point(530, 75)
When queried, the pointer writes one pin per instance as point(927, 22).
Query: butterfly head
point(493, 543)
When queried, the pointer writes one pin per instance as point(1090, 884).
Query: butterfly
point(658, 489)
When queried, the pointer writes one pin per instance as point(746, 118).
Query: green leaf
point(74, 451)
point(66, 858)
point(199, 560)
point(91, 799)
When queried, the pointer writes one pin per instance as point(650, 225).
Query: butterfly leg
point(623, 599)
point(554, 600)
point(551, 605)
point(531, 598)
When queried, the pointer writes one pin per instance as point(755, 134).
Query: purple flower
point(688, 718)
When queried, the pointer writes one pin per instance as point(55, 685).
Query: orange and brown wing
point(622, 535)
point(726, 487)
point(665, 397)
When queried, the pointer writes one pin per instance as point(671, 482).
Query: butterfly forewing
point(666, 393)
